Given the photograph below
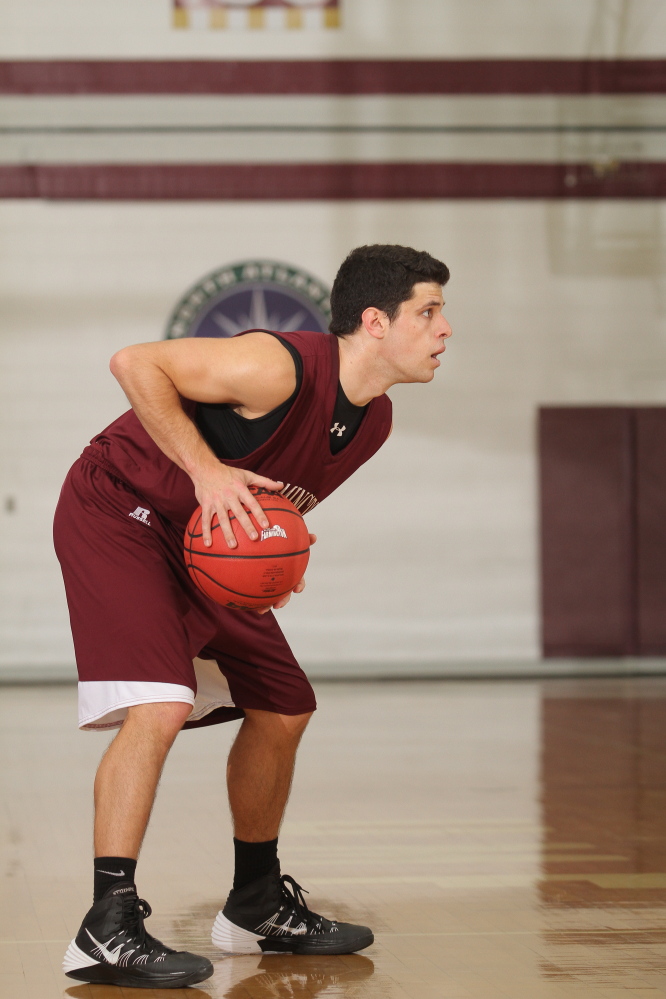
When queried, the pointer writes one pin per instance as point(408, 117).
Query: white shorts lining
point(103, 704)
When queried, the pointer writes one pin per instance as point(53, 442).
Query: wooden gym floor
point(503, 839)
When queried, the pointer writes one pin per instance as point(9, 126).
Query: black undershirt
point(346, 421)
point(230, 435)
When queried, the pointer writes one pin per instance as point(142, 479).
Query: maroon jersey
point(298, 453)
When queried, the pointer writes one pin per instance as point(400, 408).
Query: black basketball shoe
point(266, 916)
point(113, 948)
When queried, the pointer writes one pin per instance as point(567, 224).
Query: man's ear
point(375, 322)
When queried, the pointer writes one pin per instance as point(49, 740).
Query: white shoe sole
point(234, 939)
point(75, 959)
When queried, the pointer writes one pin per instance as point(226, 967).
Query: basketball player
point(296, 412)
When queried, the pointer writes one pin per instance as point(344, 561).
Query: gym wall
point(427, 559)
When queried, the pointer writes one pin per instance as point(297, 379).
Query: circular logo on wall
point(252, 294)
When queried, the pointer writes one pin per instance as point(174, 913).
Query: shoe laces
point(296, 901)
point(134, 911)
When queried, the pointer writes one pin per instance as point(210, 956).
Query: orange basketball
point(255, 573)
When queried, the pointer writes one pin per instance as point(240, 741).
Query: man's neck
point(361, 376)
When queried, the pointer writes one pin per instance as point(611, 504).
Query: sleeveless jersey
point(298, 453)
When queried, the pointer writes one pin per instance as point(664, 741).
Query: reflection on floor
point(604, 816)
point(503, 839)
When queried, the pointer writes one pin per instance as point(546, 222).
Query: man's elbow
point(121, 363)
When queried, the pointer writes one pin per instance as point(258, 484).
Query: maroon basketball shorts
point(139, 622)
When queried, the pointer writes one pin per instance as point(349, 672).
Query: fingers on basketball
point(256, 574)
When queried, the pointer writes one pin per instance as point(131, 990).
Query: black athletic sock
point(253, 860)
point(110, 871)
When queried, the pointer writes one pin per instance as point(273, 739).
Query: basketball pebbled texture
point(256, 573)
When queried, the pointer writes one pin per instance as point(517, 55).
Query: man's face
point(418, 334)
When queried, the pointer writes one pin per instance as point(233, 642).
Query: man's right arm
point(254, 373)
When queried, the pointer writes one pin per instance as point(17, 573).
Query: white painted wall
point(601, 129)
point(428, 554)
point(371, 28)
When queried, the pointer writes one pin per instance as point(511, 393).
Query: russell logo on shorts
point(141, 515)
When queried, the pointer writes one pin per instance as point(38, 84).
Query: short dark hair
point(382, 276)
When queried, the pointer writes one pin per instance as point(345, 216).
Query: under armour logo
point(141, 515)
point(340, 430)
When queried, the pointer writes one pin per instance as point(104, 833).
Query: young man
point(296, 412)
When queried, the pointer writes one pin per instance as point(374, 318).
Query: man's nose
point(447, 331)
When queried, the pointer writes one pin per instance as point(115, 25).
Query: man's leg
point(260, 770)
point(111, 947)
point(259, 773)
point(129, 773)
point(262, 913)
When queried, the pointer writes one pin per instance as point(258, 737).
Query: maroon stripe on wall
point(339, 76)
point(345, 181)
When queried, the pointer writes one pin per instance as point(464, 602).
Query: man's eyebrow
point(434, 301)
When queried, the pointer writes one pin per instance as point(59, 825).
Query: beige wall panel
point(371, 28)
point(428, 554)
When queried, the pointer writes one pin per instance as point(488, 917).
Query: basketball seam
point(247, 596)
point(266, 558)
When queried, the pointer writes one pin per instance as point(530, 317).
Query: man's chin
point(418, 378)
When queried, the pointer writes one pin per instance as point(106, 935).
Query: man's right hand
point(224, 490)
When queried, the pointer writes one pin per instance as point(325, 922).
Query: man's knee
point(280, 727)
point(295, 725)
point(164, 719)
